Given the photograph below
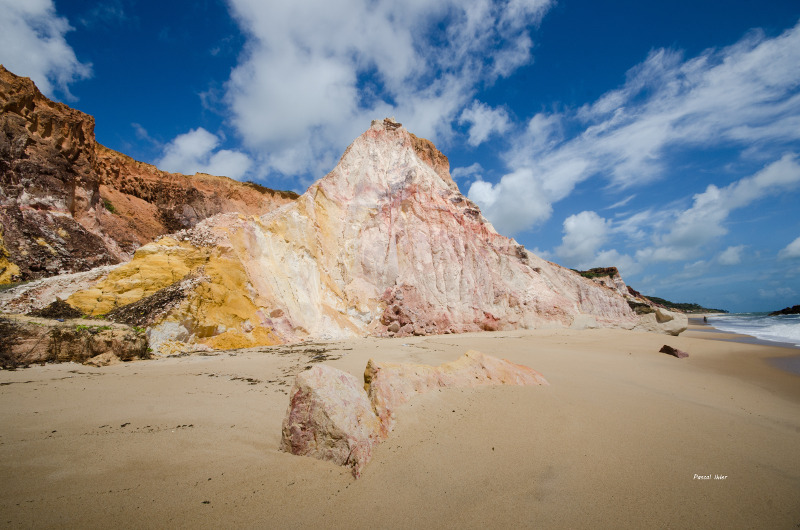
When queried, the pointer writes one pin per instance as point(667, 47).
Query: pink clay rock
point(675, 352)
point(330, 418)
point(389, 385)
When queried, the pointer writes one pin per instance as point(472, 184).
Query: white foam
point(781, 328)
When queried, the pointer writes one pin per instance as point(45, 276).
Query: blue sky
point(659, 137)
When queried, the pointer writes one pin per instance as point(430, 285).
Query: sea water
point(780, 328)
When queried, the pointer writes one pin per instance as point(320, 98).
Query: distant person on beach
point(705, 319)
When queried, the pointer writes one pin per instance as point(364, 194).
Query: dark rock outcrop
point(794, 310)
point(675, 352)
point(57, 310)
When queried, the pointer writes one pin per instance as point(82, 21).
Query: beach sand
point(616, 440)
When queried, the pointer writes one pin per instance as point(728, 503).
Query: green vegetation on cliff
point(599, 272)
point(686, 308)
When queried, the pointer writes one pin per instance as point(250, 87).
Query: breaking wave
point(781, 328)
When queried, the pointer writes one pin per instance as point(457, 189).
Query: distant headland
point(794, 310)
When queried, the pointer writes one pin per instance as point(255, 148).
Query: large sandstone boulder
point(331, 417)
point(663, 321)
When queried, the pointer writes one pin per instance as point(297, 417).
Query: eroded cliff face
point(68, 204)
point(383, 245)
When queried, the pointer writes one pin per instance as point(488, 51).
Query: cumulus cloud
point(731, 255)
point(196, 152)
point(673, 234)
point(744, 96)
point(584, 233)
point(313, 74)
point(483, 122)
point(792, 250)
point(32, 44)
point(516, 203)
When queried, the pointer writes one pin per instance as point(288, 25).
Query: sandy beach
point(618, 439)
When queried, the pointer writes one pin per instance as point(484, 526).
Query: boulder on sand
point(389, 385)
point(331, 417)
point(669, 350)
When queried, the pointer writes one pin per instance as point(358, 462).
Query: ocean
point(781, 328)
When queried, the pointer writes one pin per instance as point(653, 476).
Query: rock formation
point(794, 310)
point(29, 340)
point(652, 316)
point(389, 385)
point(68, 204)
point(675, 352)
point(384, 245)
point(330, 417)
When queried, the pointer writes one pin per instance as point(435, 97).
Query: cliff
point(69, 204)
point(384, 245)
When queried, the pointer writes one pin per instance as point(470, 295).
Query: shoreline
point(622, 431)
point(789, 363)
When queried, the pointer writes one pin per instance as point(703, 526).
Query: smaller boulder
point(675, 352)
point(104, 359)
point(330, 418)
point(663, 321)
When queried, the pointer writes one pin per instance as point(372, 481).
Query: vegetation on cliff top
point(598, 272)
point(684, 307)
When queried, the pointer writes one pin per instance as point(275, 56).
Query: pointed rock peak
point(385, 159)
point(424, 148)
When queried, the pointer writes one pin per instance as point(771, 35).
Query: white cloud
point(778, 292)
point(704, 221)
point(692, 270)
point(621, 203)
point(32, 44)
point(792, 250)
point(731, 255)
point(314, 73)
point(142, 134)
point(670, 234)
point(744, 96)
point(520, 201)
point(612, 258)
point(473, 170)
point(584, 234)
point(484, 121)
point(195, 152)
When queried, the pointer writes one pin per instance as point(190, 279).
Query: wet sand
point(618, 439)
